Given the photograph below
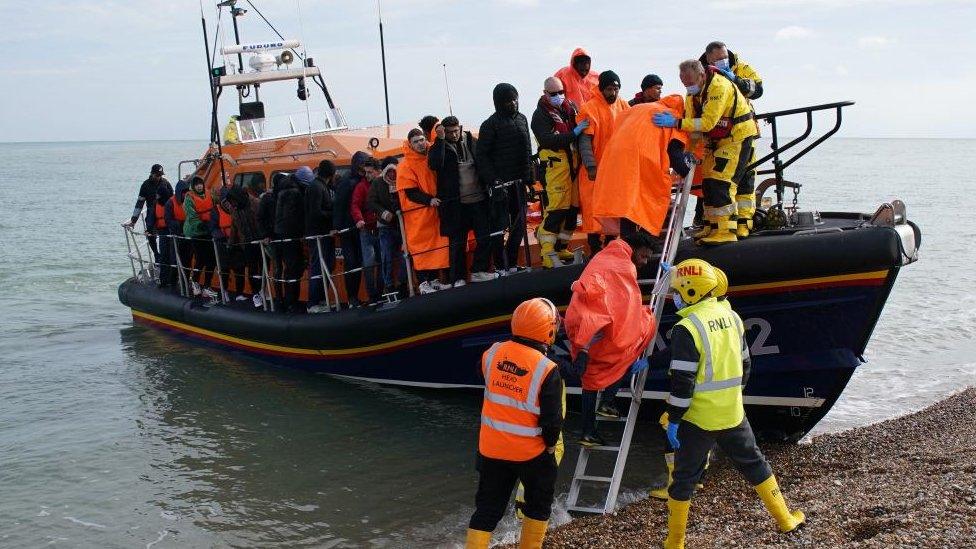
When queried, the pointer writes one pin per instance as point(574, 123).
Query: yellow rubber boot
point(746, 207)
point(547, 249)
point(662, 493)
point(564, 254)
point(772, 498)
point(533, 532)
point(477, 539)
point(677, 523)
point(723, 230)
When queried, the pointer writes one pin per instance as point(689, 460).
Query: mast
point(386, 93)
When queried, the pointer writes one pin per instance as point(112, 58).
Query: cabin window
point(246, 180)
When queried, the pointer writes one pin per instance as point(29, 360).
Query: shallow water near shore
point(113, 435)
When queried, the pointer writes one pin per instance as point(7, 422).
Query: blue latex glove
point(673, 436)
point(580, 126)
point(665, 266)
point(638, 366)
point(665, 120)
point(728, 73)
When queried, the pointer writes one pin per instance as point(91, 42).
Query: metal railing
point(147, 267)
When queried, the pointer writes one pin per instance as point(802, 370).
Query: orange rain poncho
point(578, 89)
point(607, 300)
point(422, 224)
point(603, 119)
point(633, 180)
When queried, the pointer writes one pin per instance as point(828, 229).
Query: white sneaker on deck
point(459, 283)
point(484, 276)
point(196, 288)
point(241, 297)
point(208, 293)
point(256, 299)
point(438, 285)
point(318, 309)
point(426, 288)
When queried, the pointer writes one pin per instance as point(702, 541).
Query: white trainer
point(484, 276)
point(426, 288)
point(241, 297)
point(208, 293)
point(196, 288)
point(438, 285)
point(459, 283)
point(256, 299)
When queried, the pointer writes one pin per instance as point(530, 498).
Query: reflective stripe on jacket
point(718, 335)
point(719, 102)
point(510, 413)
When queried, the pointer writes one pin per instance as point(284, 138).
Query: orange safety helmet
point(536, 319)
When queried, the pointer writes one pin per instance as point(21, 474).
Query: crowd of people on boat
point(604, 167)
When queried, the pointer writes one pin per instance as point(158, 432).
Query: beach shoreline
point(909, 481)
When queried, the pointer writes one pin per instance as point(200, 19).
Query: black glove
point(579, 365)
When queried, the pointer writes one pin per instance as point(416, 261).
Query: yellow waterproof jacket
point(719, 101)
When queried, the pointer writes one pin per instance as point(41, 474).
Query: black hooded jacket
point(319, 206)
point(504, 147)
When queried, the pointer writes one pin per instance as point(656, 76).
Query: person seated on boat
point(369, 236)
point(198, 206)
point(578, 78)
point(175, 216)
point(555, 129)
point(417, 187)
point(601, 113)
point(608, 327)
point(383, 201)
point(319, 198)
point(230, 131)
point(749, 82)
point(352, 252)
point(650, 90)
point(504, 155)
point(230, 256)
point(464, 203)
point(716, 108)
point(290, 227)
point(709, 368)
point(521, 423)
point(633, 188)
point(147, 197)
point(156, 219)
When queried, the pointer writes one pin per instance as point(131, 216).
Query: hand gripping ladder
point(672, 234)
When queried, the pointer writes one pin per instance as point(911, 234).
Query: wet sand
point(905, 482)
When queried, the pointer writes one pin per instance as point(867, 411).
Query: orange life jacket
point(160, 216)
point(510, 413)
point(178, 211)
point(225, 222)
point(202, 205)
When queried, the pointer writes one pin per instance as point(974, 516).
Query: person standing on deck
point(147, 197)
point(579, 78)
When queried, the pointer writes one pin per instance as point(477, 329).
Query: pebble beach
point(905, 482)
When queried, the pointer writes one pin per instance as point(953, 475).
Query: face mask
point(693, 89)
point(678, 303)
point(722, 64)
point(557, 100)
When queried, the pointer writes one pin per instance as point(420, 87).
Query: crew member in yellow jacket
point(716, 108)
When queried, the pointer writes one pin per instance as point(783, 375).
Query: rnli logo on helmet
point(511, 368)
point(690, 270)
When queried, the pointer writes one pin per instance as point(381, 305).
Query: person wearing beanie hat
point(601, 113)
point(319, 205)
point(650, 90)
point(382, 200)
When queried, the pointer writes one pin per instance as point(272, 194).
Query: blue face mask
point(556, 100)
point(693, 89)
point(722, 64)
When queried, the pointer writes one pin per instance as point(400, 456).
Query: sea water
point(116, 435)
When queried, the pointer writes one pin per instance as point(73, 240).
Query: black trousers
point(231, 265)
point(204, 260)
point(507, 254)
point(293, 266)
point(473, 217)
point(738, 443)
point(497, 480)
point(352, 258)
point(252, 262)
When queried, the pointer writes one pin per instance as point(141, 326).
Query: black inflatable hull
point(810, 303)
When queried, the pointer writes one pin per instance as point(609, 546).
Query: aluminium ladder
point(672, 235)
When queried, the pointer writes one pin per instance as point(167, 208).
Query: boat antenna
point(214, 128)
point(447, 86)
point(308, 113)
point(386, 93)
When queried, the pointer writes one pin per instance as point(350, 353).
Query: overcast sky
point(118, 70)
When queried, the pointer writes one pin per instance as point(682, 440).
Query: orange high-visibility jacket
point(421, 224)
point(510, 412)
point(579, 89)
point(607, 302)
point(603, 122)
point(633, 181)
